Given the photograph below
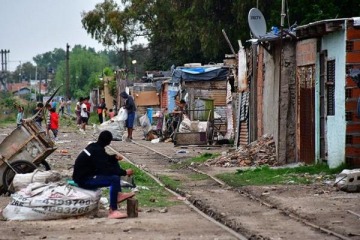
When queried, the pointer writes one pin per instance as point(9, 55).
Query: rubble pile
point(257, 153)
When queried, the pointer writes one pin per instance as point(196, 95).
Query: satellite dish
point(256, 22)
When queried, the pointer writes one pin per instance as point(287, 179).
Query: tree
point(85, 68)
point(111, 26)
point(190, 31)
point(23, 72)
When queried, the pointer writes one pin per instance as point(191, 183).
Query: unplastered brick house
point(305, 96)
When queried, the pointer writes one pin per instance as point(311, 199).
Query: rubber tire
point(44, 165)
point(20, 166)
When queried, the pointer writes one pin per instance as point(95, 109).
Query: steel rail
point(187, 202)
point(247, 194)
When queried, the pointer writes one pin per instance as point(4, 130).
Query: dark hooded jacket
point(94, 160)
point(129, 102)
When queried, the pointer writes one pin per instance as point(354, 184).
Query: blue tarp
point(199, 74)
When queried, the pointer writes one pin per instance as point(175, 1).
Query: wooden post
point(132, 207)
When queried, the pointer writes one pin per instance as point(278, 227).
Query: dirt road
point(265, 217)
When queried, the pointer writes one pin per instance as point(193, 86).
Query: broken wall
point(278, 110)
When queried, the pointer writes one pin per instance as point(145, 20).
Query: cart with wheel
point(22, 151)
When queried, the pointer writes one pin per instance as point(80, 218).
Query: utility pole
point(67, 72)
point(39, 85)
point(279, 142)
point(4, 59)
point(3, 67)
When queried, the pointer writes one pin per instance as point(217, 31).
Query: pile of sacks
point(187, 125)
point(116, 125)
point(260, 152)
point(42, 196)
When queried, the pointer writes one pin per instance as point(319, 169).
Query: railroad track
point(238, 212)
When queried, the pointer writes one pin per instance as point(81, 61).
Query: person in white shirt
point(84, 115)
point(78, 111)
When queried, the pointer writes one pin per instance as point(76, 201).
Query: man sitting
point(94, 168)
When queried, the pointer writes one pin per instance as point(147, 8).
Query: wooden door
point(306, 113)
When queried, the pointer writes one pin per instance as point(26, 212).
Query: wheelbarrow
point(24, 150)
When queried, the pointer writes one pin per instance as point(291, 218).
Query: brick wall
point(306, 52)
point(352, 150)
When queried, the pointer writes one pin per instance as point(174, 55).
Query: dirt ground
point(265, 217)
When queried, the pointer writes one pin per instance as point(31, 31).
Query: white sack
point(185, 125)
point(122, 115)
point(145, 123)
point(116, 128)
point(23, 180)
point(39, 201)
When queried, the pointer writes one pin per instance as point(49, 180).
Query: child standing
point(19, 116)
point(62, 106)
point(39, 117)
point(53, 123)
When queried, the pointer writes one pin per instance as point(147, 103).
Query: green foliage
point(155, 196)
point(198, 176)
point(85, 68)
point(112, 88)
point(170, 182)
point(190, 31)
point(7, 101)
point(6, 119)
point(94, 118)
point(108, 72)
point(268, 176)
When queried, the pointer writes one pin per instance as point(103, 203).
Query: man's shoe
point(117, 215)
point(123, 196)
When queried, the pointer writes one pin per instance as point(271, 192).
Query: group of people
point(94, 167)
point(103, 112)
point(62, 105)
point(52, 118)
point(82, 111)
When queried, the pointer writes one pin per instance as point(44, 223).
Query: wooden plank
point(148, 98)
point(164, 97)
point(191, 138)
point(132, 207)
point(219, 85)
point(219, 96)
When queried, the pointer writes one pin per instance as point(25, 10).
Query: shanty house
point(206, 87)
point(305, 96)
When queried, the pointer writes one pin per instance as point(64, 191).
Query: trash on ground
point(348, 180)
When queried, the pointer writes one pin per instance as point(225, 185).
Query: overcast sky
point(31, 27)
